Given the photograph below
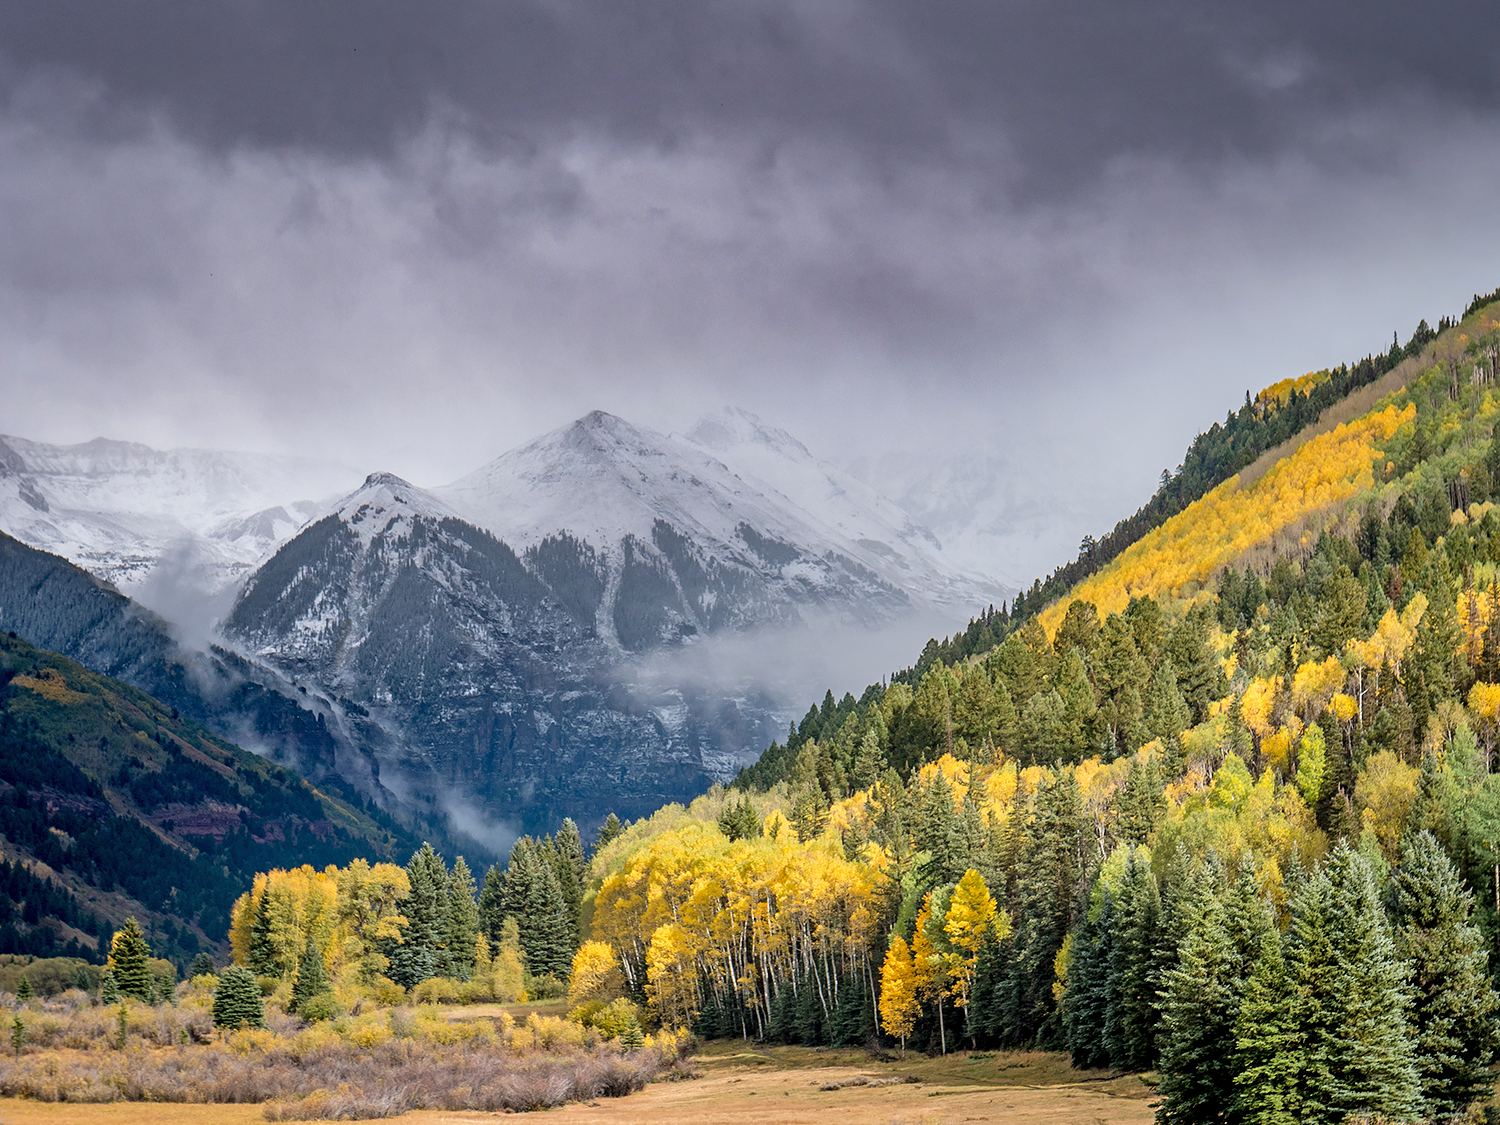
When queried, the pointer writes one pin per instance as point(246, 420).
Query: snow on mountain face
point(696, 545)
point(119, 508)
point(466, 674)
point(777, 463)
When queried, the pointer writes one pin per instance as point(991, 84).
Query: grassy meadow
point(738, 1082)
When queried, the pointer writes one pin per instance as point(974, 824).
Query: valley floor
point(754, 1085)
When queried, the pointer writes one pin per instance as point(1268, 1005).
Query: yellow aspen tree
point(899, 1004)
point(971, 915)
point(930, 967)
point(1387, 790)
point(596, 974)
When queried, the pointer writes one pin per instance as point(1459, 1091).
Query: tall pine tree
point(1454, 1006)
point(462, 922)
point(130, 961)
point(422, 951)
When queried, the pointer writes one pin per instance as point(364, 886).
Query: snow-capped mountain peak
point(387, 505)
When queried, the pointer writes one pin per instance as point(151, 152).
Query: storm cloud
point(1065, 236)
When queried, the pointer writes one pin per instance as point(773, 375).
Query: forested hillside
point(1227, 811)
point(112, 804)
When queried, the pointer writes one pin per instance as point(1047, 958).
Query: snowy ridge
point(742, 493)
point(118, 509)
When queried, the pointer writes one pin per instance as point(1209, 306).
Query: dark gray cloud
point(1042, 94)
point(412, 235)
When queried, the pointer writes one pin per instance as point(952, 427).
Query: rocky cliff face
point(481, 685)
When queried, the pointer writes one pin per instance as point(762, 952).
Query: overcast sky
point(411, 236)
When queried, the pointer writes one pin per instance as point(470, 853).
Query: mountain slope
point(63, 608)
point(120, 806)
point(482, 689)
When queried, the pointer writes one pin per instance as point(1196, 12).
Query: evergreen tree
point(130, 961)
point(1454, 1011)
point(462, 921)
point(1199, 676)
point(237, 1001)
point(1349, 999)
point(609, 833)
point(1268, 1043)
point(1087, 997)
point(1167, 713)
point(312, 978)
point(939, 833)
point(1371, 1057)
point(535, 900)
point(869, 763)
point(262, 954)
point(575, 865)
point(1131, 992)
point(1201, 1008)
point(1046, 881)
point(202, 966)
point(422, 951)
point(109, 988)
point(1080, 709)
point(23, 990)
point(492, 910)
point(1140, 803)
point(739, 820)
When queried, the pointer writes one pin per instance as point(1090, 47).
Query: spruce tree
point(130, 961)
point(237, 1001)
point(1453, 1015)
point(492, 904)
point(1349, 1000)
point(565, 854)
point(202, 966)
point(1087, 997)
point(109, 988)
point(1167, 713)
point(608, 833)
point(1046, 878)
point(1267, 1045)
point(23, 990)
point(1371, 1057)
point(312, 978)
point(1131, 997)
point(535, 900)
point(1200, 1013)
point(261, 957)
point(422, 952)
point(462, 921)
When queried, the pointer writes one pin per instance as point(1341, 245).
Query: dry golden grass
point(747, 1084)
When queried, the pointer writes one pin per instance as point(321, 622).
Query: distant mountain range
point(475, 649)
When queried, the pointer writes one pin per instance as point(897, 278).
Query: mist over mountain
point(603, 619)
point(120, 509)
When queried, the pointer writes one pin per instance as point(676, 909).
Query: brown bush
point(332, 1079)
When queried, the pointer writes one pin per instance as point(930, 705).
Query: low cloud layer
point(1063, 236)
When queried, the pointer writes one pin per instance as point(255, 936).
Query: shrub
point(609, 1020)
point(323, 1006)
point(545, 987)
point(387, 993)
